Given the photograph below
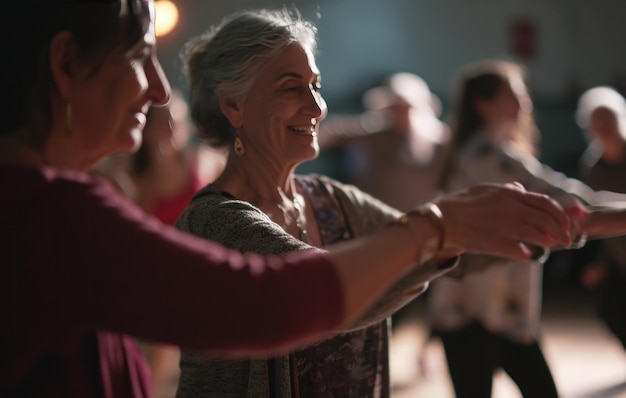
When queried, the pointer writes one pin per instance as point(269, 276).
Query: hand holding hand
point(501, 219)
point(578, 215)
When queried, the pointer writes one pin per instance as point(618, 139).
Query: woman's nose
point(316, 106)
point(159, 89)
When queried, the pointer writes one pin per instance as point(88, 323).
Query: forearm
point(369, 266)
point(605, 221)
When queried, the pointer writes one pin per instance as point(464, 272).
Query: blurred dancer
point(491, 319)
point(601, 114)
point(396, 148)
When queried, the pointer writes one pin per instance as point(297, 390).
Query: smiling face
point(282, 111)
point(109, 107)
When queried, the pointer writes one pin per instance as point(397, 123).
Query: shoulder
point(82, 193)
point(71, 207)
point(482, 152)
point(54, 189)
point(235, 224)
point(211, 208)
point(221, 204)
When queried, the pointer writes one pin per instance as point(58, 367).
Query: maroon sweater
point(82, 268)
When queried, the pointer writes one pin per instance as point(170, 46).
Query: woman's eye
point(291, 88)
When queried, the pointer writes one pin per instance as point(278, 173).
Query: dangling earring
point(239, 150)
point(68, 119)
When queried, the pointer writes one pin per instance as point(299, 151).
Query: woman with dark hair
point(490, 319)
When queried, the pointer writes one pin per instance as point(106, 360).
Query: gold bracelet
point(433, 213)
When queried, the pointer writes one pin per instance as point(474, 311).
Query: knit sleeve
point(237, 225)
point(366, 215)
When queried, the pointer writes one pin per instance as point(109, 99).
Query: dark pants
point(611, 303)
point(473, 354)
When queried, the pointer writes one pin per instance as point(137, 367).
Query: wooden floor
point(585, 359)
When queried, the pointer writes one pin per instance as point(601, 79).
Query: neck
point(60, 152)
point(257, 181)
point(55, 153)
point(271, 189)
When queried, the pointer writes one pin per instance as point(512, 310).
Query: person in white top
point(490, 320)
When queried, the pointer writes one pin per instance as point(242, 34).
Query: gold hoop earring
point(239, 150)
point(68, 119)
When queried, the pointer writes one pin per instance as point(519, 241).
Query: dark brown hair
point(97, 27)
point(483, 80)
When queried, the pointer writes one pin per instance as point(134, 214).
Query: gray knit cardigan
point(239, 225)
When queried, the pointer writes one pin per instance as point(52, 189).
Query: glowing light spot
point(166, 17)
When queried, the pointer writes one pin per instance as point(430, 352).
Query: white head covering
point(428, 131)
point(594, 98)
point(402, 87)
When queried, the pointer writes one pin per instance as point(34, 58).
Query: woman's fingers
point(545, 223)
point(578, 214)
point(550, 207)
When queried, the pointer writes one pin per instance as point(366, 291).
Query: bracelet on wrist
point(431, 212)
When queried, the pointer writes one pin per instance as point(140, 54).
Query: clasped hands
point(505, 220)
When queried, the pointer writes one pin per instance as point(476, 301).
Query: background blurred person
point(491, 319)
point(601, 113)
point(396, 148)
point(169, 167)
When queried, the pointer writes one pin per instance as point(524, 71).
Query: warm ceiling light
point(166, 17)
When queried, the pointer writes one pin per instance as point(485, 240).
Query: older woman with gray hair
point(255, 88)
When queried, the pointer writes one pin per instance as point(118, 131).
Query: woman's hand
point(501, 219)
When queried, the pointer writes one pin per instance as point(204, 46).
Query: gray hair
point(227, 58)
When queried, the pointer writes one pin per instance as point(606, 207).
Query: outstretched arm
point(491, 219)
point(606, 220)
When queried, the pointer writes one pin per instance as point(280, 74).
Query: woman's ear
point(231, 109)
point(63, 59)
